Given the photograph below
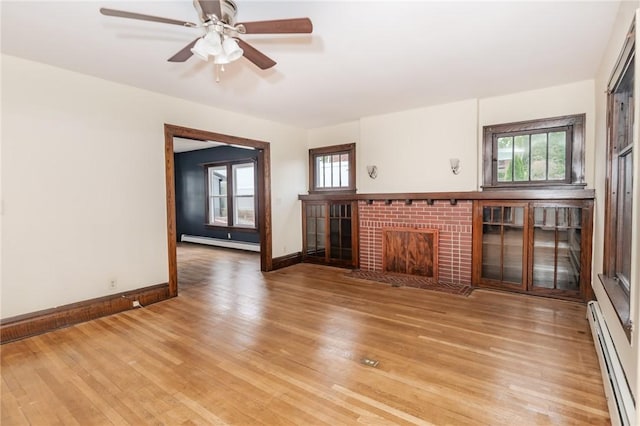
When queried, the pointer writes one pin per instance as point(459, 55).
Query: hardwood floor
point(241, 347)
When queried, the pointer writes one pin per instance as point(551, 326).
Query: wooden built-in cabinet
point(539, 247)
point(330, 232)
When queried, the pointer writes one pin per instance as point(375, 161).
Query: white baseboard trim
point(241, 245)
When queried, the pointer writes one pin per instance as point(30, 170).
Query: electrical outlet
point(113, 284)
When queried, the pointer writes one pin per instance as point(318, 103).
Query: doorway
point(263, 192)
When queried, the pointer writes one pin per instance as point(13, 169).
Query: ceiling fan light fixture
point(213, 43)
point(200, 50)
point(207, 46)
point(231, 49)
point(221, 59)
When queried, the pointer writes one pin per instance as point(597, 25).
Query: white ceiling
point(363, 58)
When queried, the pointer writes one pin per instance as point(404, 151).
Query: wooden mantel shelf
point(535, 194)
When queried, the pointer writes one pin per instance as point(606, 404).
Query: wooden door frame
point(264, 193)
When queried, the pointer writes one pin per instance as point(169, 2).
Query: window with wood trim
point(543, 153)
point(332, 168)
point(616, 278)
point(231, 196)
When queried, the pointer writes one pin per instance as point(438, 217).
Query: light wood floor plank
point(241, 347)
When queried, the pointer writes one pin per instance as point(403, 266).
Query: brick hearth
point(452, 221)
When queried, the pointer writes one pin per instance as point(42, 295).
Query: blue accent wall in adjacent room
point(191, 192)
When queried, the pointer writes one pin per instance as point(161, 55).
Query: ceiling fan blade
point(141, 17)
point(211, 7)
point(259, 59)
point(279, 26)
point(184, 54)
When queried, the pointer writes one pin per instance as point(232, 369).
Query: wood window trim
point(575, 153)
point(349, 148)
point(619, 296)
point(230, 202)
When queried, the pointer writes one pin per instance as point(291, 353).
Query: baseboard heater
point(220, 242)
point(619, 397)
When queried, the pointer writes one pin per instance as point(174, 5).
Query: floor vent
point(619, 397)
point(369, 362)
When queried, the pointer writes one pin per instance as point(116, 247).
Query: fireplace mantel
point(409, 197)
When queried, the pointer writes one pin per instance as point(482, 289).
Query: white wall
point(83, 183)
point(629, 354)
point(412, 149)
point(334, 135)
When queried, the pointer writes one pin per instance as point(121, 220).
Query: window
point(231, 199)
point(218, 196)
point(244, 211)
point(332, 168)
point(616, 278)
point(537, 153)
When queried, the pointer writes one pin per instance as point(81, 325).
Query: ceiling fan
point(221, 39)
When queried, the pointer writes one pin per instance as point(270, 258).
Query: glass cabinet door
point(340, 231)
point(330, 232)
point(503, 234)
point(557, 249)
point(540, 247)
point(315, 217)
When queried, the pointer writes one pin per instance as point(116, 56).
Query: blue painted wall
point(191, 192)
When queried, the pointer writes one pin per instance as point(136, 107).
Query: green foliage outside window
point(534, 157)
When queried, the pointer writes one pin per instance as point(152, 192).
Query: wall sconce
point(455, 165)
point(372, 171)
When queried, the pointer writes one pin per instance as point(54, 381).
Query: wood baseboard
point(286, 260)
point(21, 326)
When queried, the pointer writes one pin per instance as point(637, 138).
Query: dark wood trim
point(476, 242)
point(355, 235)
point(575, 161)
point(617, 293)
point(587, 255)
point(529, 194)
point(264, 208)
point(263, 195)
point(622, 62)
point(538, 186)
point(39, 322)
point(349, 148)
point(286, 260)
point(170, 190)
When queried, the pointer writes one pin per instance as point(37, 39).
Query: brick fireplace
point(453, 223)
